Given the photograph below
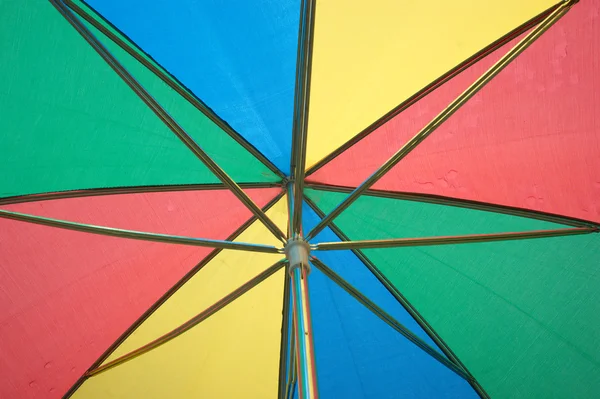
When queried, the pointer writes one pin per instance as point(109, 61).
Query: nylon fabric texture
point(239, 340)
point(106, 24)
point(528, 139)
point(108, 136)
point(82, 291)
point(357, 353)
point(359, 356)
point(520, 314)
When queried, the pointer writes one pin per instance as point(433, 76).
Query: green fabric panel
point(108, 26)
point(232, 157)
point(69, 122)
point(524, 316)
point(419, 219)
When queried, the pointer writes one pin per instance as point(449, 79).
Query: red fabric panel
point(530, 138)
point(66, 296)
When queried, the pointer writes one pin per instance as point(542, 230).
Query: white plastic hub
point(297, 252)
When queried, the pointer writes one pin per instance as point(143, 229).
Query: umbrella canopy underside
point(140, 139)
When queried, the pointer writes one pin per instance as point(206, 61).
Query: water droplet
point(531, 201)
point(48, 365)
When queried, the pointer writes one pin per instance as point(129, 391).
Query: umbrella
point(299, 198)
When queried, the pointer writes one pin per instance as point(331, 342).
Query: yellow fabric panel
point(232, 354)
point(370, 56)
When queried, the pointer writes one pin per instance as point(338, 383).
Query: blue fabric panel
point(238, 56)
point(358, 355)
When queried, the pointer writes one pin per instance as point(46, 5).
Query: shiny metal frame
point(303, 335)
point(305, 363)
point(96, 192)
point(139, 235)
point(285, 346)
point(450, 240)
point(301, 106)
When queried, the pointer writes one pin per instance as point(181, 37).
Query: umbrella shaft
point(305, 359)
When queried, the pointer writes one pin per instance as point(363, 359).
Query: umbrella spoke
point(445, 114)
point(388, 319)
point(168, 120)
point(138, 235)
point(172, 82)
point(92, 192)
point(449, 240)
point(194, 321)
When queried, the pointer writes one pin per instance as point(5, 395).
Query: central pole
point(297, 248)
point(297, 251)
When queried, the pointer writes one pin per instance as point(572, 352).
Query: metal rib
point(92, 192)
point(170, 80)
point(301, 107)
point(291, 380)
point(168, 120)
point(289, 189)
point(387, 318)
point(461, 203)
point(444, 115)
point(139, 235)
point(432, 87)
point(305, 358)
point(404, 302)
point(194, 321)
point(284, 350)
point(292, 365)
point(448, 240)
point(166, 297)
